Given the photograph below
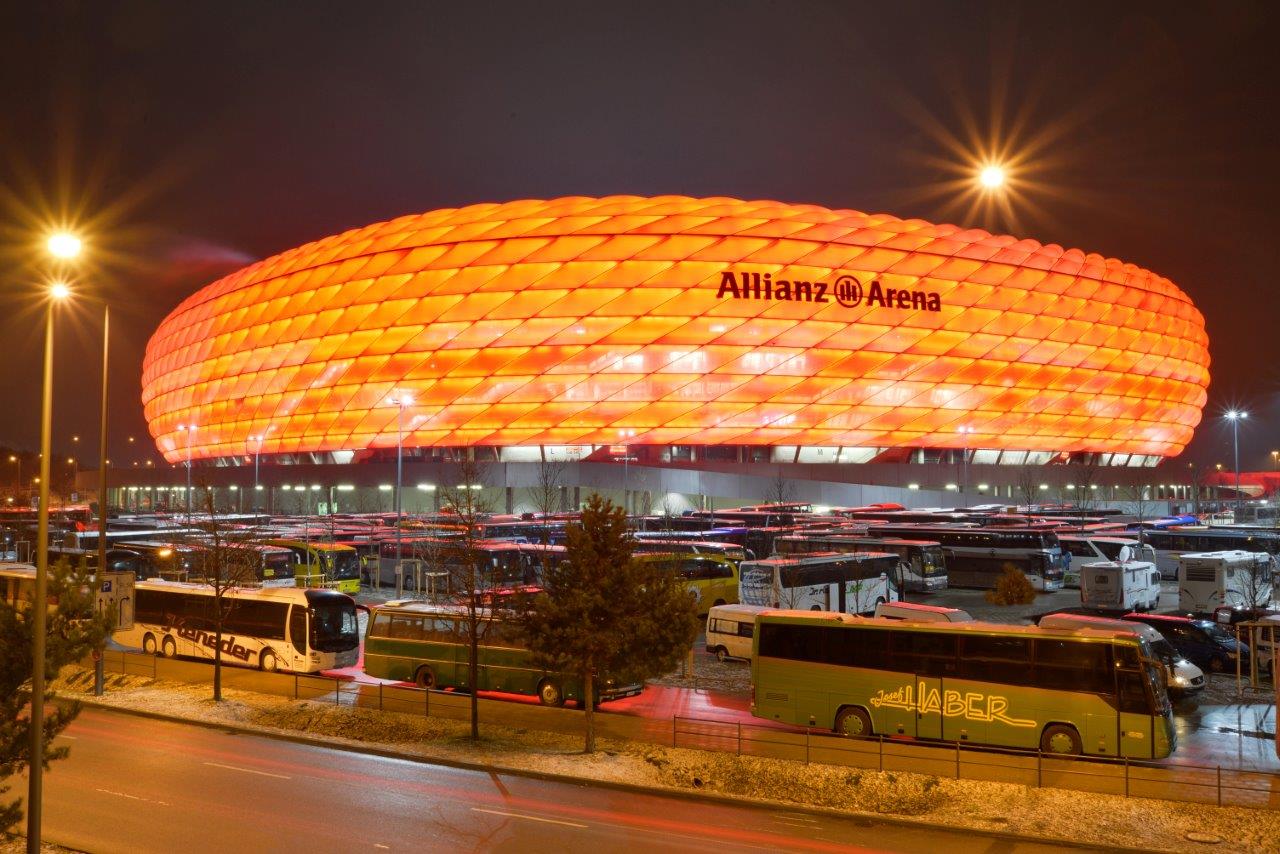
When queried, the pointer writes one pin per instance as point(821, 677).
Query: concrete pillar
point(577, 497)
point(511, 499)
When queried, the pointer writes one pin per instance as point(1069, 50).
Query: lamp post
point(17, 484)
point(400, 401)
point(964, 431)
point(39, 615)
point(256, 452)
point(1235, 416)
point(188, 429)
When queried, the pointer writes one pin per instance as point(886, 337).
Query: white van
point(922, 613)
point(1131, 586)
point(730, 629)
point(1184, 677)
point(1238, 579)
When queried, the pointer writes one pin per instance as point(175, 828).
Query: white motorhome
point(1238, 579)
point(1131, 585)
point(1184, 676)
point(922, 613)
point(731, 629)
point(1083, 548)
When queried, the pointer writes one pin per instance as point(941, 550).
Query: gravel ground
point(1092, 819)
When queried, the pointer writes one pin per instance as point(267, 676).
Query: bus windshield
point(334, 627)
point(931, 562)
point(346, 564)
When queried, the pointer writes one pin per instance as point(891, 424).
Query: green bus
point(415, 641)
point(1081, 691)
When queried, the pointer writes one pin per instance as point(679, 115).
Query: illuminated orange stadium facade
point(671, 321)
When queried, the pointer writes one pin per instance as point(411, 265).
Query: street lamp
point(400, 401)
point(964, 461)
point(39, 616)
point(1235, 416)
point(17, 484)
point(189, 429)
point(991, 177)
point(256, 452)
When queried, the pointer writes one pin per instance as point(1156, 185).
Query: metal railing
point(1172, 781)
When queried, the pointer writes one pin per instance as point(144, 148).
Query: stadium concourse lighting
point(1235, 416)
point(35, 768)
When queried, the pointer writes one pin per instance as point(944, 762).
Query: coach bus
point(977, 556)
point(921, 564)
point(323, 564)
point(853, 583)
point(1170, 544)
point(271, 628)
point(1083, 691)
point(428, 645)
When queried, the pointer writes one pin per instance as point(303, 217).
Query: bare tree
point(470, 579)
point(1084, 479)
point(1137, 503)
point(545, 496)
point(224, 561)
point(780, 490)
point(1027, 484)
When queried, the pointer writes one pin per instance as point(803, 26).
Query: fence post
point(881, 738)
point(1219, 785)
point(336, 686)
point(957, 760)
point(1126, 776)
point(380, 698)
point(740, 746)
point(1039, 768)
point(295, 684)
point(806, 745)
point(673, 730)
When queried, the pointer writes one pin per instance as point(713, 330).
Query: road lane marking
point(67, 737)
point(248, 770)
point(132, 797)
point(529, 817)
point(380, 845)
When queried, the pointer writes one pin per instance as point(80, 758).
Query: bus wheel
point(1060, 739)
point(853, 721)
point(268, 661)
point(719, 602)
point(1216, 665)
point(879, 601)
point(168, 648)
point(149, 643)
point(721, 653)
point(549, 693)
point(424, 678)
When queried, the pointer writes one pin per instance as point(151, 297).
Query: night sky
point(192, 138)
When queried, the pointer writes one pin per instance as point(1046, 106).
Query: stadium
point(675, 346)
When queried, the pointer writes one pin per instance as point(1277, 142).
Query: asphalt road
point(137, 785)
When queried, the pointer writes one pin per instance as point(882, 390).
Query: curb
point(632, 788)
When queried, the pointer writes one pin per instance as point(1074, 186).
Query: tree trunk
point(588, 706)
point(473, 677)
point(217, 662)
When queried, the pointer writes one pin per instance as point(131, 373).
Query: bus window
point(1133, 692)
point(996, 659)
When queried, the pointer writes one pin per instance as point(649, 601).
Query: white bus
point(851, 583)
point(277, 628)
point(1082, 549)
point(1237, 579)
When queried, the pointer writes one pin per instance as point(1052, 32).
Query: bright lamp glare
point(991, 177)
point(59, 291)
point(63, 245)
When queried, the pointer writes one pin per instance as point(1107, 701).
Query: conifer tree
point(601, 613)
point(74, 631)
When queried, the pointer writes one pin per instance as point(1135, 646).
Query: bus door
point(928, 707)
point(298, 637)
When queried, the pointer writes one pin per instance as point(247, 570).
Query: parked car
point(1204, 643)
point(1183, 676)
